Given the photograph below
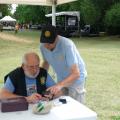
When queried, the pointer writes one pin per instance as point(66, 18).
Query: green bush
point(89, 12)
point(112, 19)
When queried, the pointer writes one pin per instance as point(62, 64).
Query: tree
point(5, 9)
point(27, 14)
point(18, 14)
point(64, 7)
point(104, 5)
point(89, 12)
point(112, 19)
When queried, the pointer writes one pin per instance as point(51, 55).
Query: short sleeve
point(8, 85)
point(71, 55)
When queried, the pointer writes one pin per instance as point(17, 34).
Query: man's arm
point(49, 83)
point(74, 75)
point(7, 92)
point(4, 93)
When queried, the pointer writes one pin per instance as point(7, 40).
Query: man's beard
point(31, 76)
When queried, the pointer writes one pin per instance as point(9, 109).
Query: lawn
point(102, 58)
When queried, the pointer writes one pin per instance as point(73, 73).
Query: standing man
point(16, 28)
point(62, 54)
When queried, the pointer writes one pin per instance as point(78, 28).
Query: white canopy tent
point(36, 2)
point(71, 13)
point(7, 19)
point(8, 23)
point(52, 3)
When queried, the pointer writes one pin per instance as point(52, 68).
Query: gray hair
point(26, 55)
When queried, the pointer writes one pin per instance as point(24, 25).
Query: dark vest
point(17, 77)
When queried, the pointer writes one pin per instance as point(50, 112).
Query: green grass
point(102, 58)
point(116, 118)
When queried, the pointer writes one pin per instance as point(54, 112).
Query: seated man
point(29, 80)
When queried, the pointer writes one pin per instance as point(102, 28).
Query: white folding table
point(72, 110)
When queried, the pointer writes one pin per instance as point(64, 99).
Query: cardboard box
point(14, 104)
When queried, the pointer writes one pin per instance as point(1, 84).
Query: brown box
point(14, 104)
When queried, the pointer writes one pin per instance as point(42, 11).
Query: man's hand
point(55, 89)
point(47, 97)
point(34, 98)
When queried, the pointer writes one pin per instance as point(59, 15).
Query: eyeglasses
point(32, 66)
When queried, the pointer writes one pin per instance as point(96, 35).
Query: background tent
point(67, 22)
point(8, 23)
point(7, 19)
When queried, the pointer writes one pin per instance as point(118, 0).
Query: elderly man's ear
point(23, 66)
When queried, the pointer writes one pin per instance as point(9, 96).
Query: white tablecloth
point(73, 110)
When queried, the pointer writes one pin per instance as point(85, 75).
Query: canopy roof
point(71, 13)
point(7, 19)
point(36, 2)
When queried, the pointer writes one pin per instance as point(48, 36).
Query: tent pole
point(53, 14)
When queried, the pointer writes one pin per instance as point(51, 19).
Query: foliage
point(104, 5)
point(27, 14)
point(64, 7)
point(5, 9)
point(90, 13)
point(112, 19)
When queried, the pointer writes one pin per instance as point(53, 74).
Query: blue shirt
point(63, 57)
point(30, 84)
